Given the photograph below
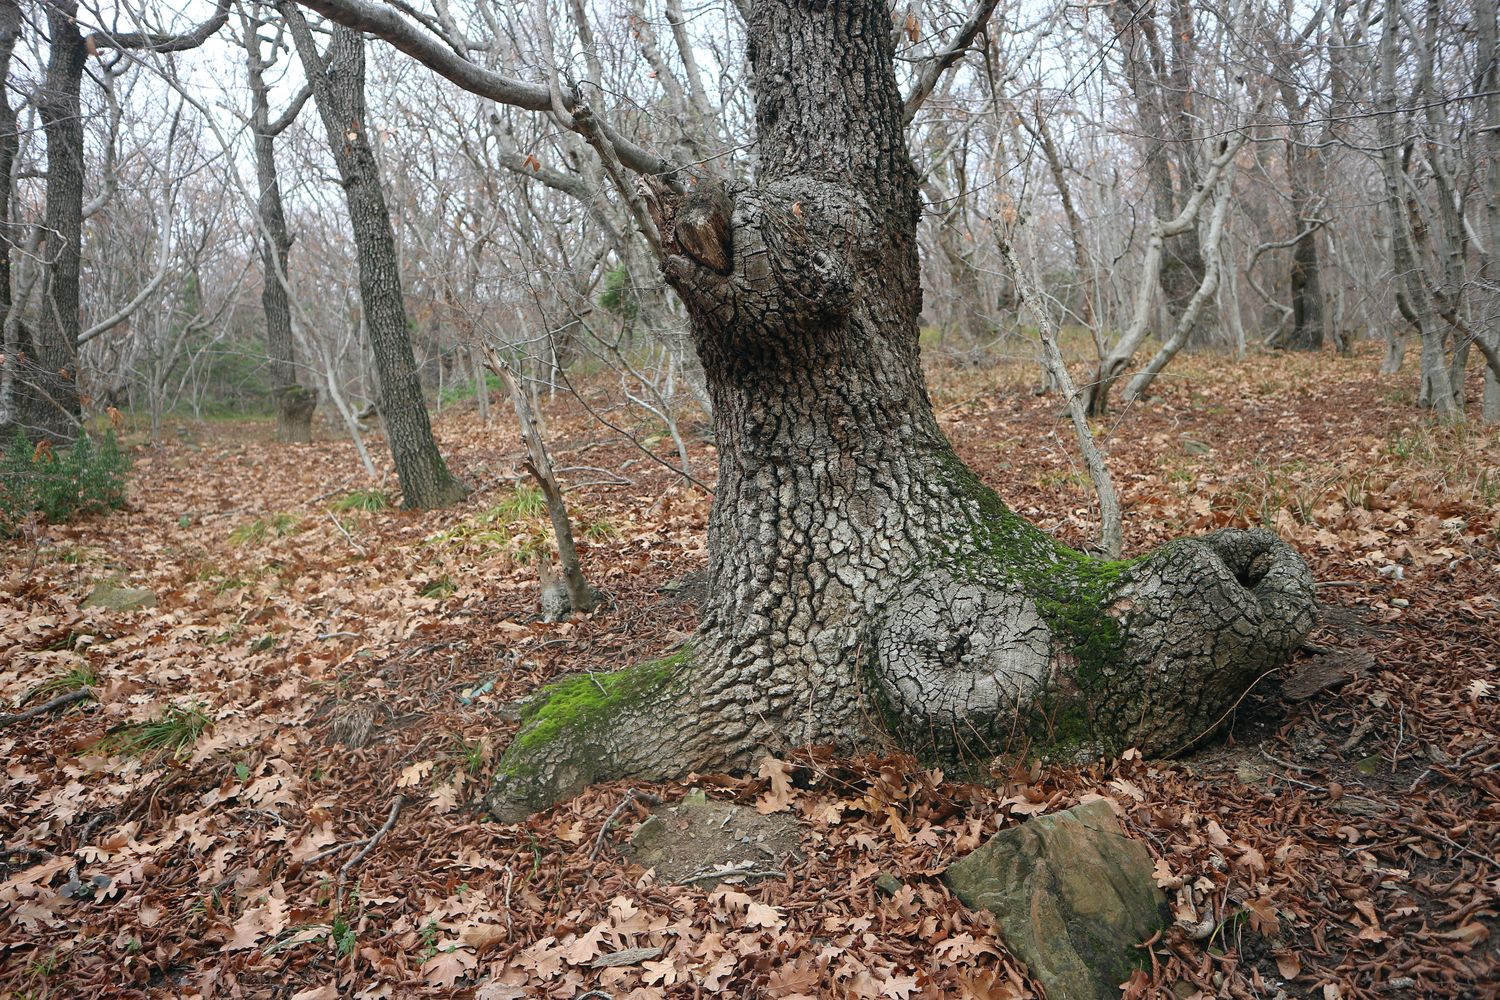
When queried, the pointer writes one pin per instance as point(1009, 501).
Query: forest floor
point(1339, 839)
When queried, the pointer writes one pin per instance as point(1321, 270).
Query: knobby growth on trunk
point(864, 584)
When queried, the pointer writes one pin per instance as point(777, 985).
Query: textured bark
point(10, 144)
point(862, 581)
point(1308, 326)
point(1163, 89)
point(337, 79)
point(1488, 32)
point(47, 396)
point(295, 403)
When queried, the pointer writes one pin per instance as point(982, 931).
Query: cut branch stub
point(956, 662)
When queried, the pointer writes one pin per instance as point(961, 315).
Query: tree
point(864, 583)
point(49, 403)
point(294, 403)
point(337, 78)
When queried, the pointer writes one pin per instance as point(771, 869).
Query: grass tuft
point(81, 676)
point(174, 732)
point(258, 530)
point(369, 501)
point(524, 503)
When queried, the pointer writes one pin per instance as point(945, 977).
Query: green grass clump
point(439, 588)
point(174, 732)
point(524, 503)
point(515, 523)
point(81, 676)
point(258, 530)
point(600, 531)
point(89, 475)
point(369, 501)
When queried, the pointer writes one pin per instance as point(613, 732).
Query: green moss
point(579, 704)
point(1072, 592)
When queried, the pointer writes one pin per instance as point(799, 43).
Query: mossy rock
point(1073, 896)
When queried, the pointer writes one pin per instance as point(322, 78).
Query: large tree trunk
point(863, 582)
point(338, 82)
point(48, 405)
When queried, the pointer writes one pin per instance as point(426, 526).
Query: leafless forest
point(1170, 176)
point(644, 499)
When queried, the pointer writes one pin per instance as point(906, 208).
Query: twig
point(390, 821)
point(1423, 831)
point(330, 852)
point(1346, 583)
point(1473, 751)
point(42, 709)
point(324, 496)
point(730, 873)
point(599, 840)
point(345, 531)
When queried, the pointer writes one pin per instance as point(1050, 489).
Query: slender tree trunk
point(1412, 295)
point(295, 403)
point(863, 582)
point(1043, 133)
point(338, 81)
point(1308, 327)
point(581, 596)
point(48, 401)
point(10, 145)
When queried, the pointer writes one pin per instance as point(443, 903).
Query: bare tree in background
point(295, 403)
point(337, 78)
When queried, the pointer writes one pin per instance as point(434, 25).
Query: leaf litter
point(1339, 842)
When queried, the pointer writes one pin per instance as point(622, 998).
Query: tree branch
point(157, 42)
point(385, 24)
point(933, 70)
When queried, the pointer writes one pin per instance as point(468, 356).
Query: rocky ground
point(272, 791)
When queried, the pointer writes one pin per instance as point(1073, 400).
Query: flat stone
point(1195, 447)
point(117, 598)
point(705, 841)
point(1072, 896)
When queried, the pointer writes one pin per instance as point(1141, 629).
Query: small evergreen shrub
point(88, 475)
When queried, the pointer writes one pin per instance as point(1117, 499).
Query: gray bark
point(1413, 298)
point(337, 78)
point(863, 582)
point(10, 145)
point(48, 404)
point(295, 403)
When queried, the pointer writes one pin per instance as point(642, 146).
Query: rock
point(888, 883)
point(704, 841)
point(1192, 447)
point(116, 598)
point(1072, 896)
